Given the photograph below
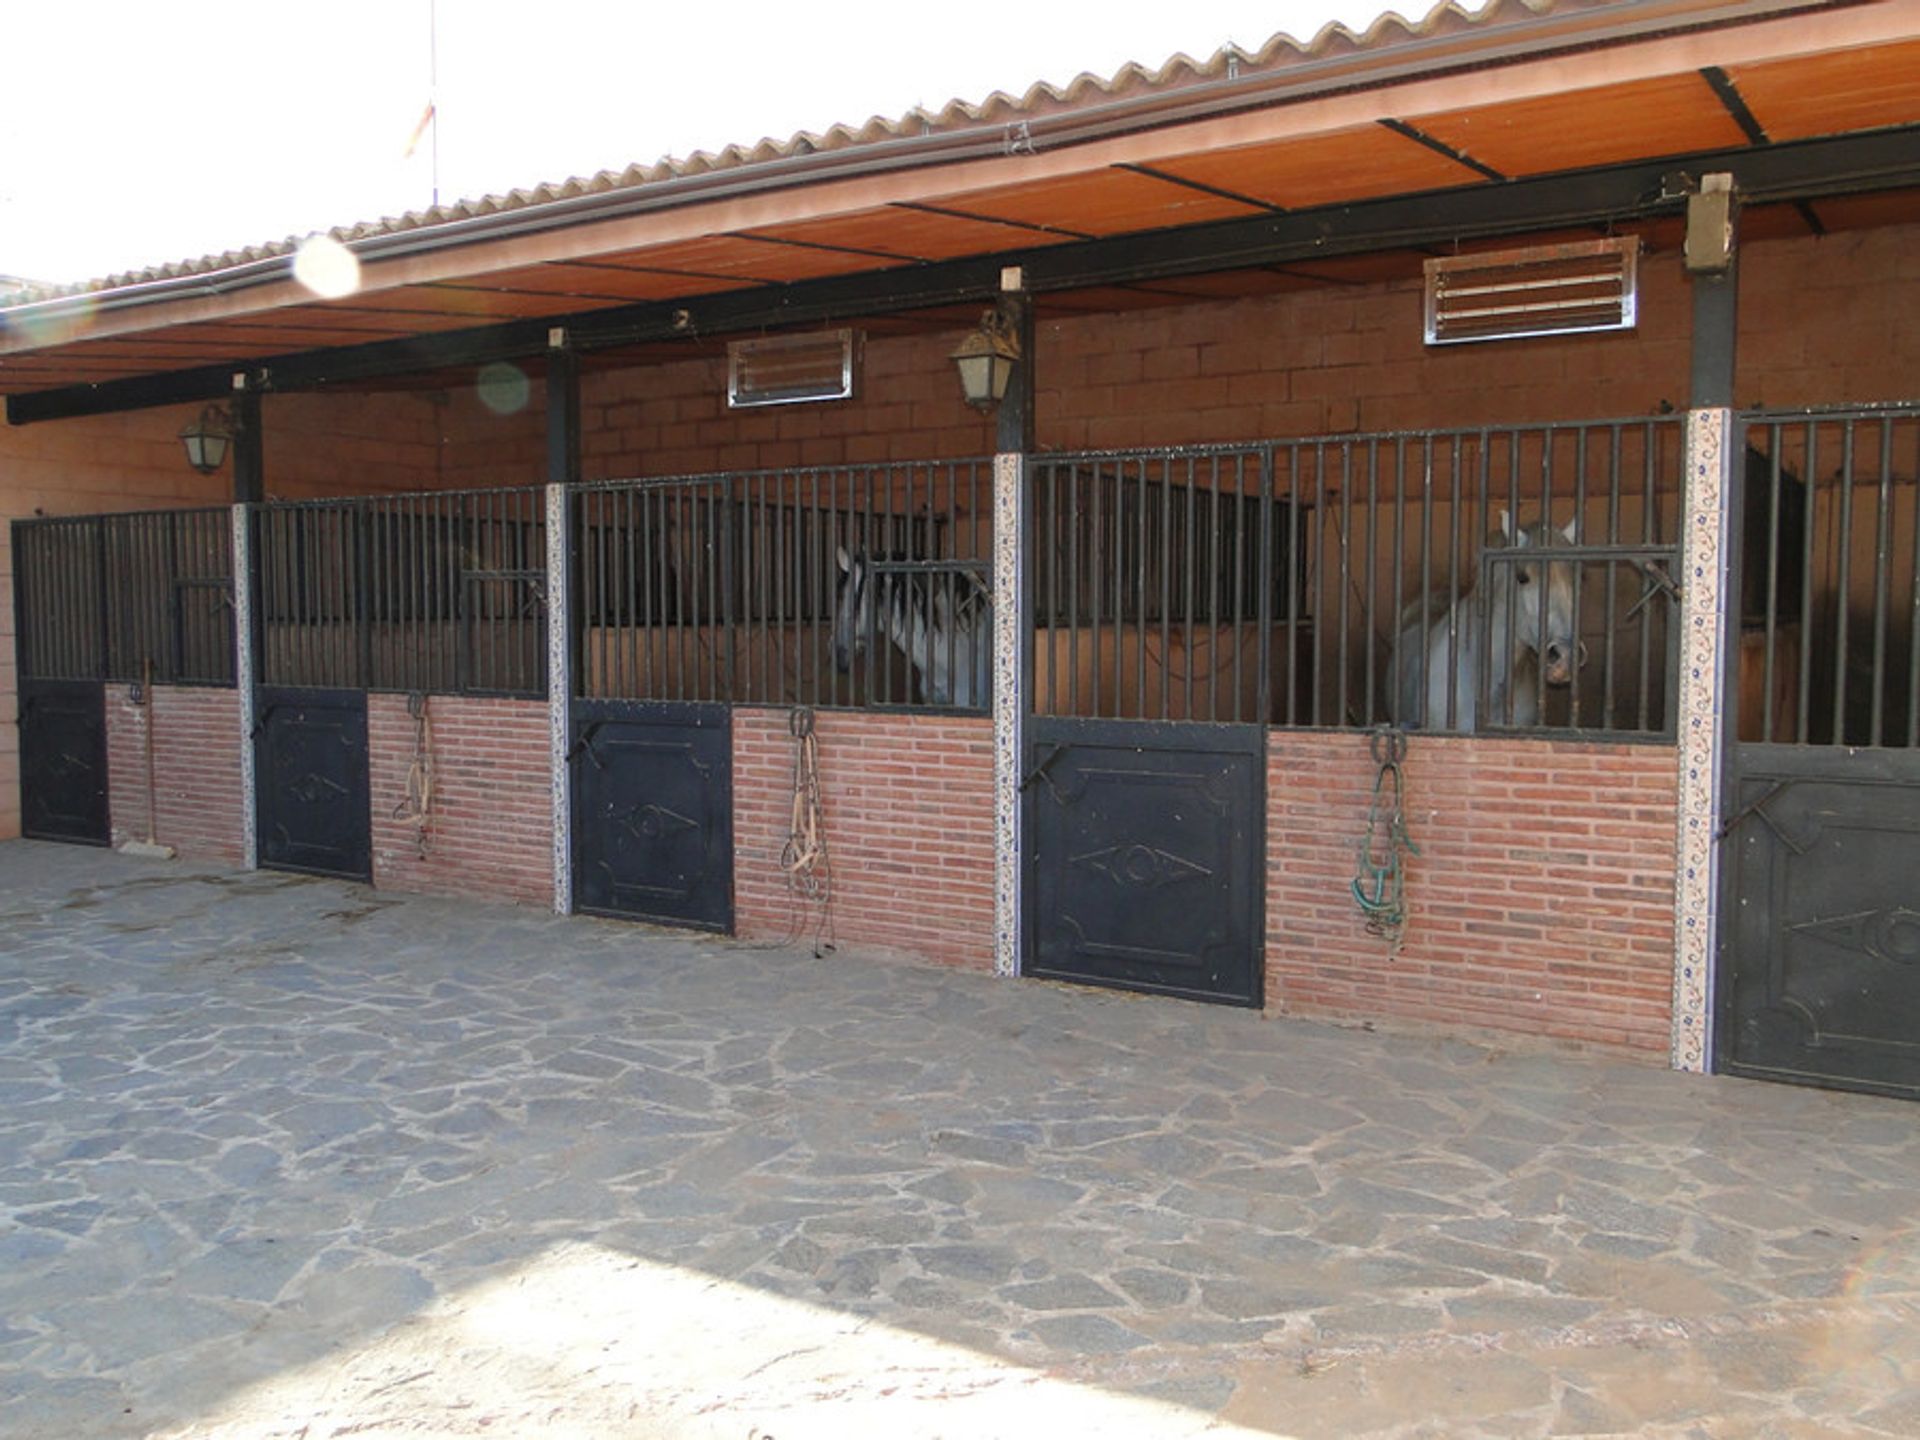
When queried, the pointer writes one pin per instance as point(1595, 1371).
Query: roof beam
point(1798, 171)
point(1440, 147)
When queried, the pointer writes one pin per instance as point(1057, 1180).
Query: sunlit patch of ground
point(586, 1343)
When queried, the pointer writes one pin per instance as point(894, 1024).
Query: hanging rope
point(1380, 879)
point(804, 857)
point(416, 804)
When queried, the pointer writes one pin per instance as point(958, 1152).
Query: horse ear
point(1506, 525)
point(1570, 532)
point(846, 565)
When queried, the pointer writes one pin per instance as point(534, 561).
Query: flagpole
point(433, 89)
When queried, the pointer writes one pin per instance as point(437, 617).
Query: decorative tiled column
point(1009, 705)
point(244, 650)
point(559, 689)
point(1703, 624)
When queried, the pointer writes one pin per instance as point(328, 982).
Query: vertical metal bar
point(1294, 578)
point(1768, 658)
point(1241, 540)
point(1341, 713)
point(1396, 680)
point(1913, 642)
point(1544, 586)
point(1377, 704)
point(1215, 574)
point(1263, 598)
point(1882, 556)
point(1608, 657)
point(1074, 508)
point(1649, 519)
point(1095, 549)
point(1190, 571)
point(1579, 526)
point(1514, 525)
point(1843, 586)
point(1809, 515)
point(1139, 588)
point(1369, 594)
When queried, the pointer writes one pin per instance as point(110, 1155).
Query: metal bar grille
point(1828, 580)
point(1362, 579)
point(439, 593)
point(115, 597)
point(858, 585)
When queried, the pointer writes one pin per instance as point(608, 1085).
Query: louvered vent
point(1547, 290)
point(787, 369)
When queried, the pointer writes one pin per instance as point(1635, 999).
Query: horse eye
point(1524, 577)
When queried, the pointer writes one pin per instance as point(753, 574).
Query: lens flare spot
point(326, 267)
point(61, 321)
point(503, 388)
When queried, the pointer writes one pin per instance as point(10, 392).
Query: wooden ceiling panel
point(377, 315)
point(476, 303)
point(1104, 202)
point(1356, 164)
point(912, 233)
point(606, 283)
point(1833, 93)
point(733, 257)
point(1669, 115)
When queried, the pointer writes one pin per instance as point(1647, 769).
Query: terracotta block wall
point(490, 823)
point(1541, 902)
point(908, 818)
point(196, 767)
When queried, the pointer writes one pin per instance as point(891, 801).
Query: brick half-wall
point(489, 823)
point(196, 770)
point(907, 811)
point(1541, 901)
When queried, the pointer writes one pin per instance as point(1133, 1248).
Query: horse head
point(853, 610)
point(1549, 627)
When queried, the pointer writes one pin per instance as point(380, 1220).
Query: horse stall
point(776, 724)
point(1823, 768)
point(126, 663)
point(399, 666)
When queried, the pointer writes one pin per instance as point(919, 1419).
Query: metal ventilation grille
point(788, 369)
point(1547, 290)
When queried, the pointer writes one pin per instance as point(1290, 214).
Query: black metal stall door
point(63, 761)
point(1822, 984)
point(311, 779)
point(1818, 977)
point(1144, 857)
point(652, 808)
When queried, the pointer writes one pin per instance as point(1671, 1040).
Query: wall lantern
point(207, 439)
point(986, 359)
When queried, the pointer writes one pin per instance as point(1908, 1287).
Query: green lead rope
point(1380, 879)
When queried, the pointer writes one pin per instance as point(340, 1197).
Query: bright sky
point(134, 133)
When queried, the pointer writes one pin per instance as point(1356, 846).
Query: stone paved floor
point(287, 1158)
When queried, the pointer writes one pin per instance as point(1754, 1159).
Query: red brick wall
point(908, 802)
point(673, 419)
point(490, 824)
point(1541, 902)
point(196, 766)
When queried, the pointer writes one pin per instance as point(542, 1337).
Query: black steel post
point(1014, 430)
point(563, 415)
point(1713, 261)
point(249, 449)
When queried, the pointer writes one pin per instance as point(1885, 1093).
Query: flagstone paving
point(283, 1157)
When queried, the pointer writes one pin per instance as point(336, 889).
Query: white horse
point(1432, 686)
point(943, 624)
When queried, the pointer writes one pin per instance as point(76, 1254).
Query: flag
point(413, 141)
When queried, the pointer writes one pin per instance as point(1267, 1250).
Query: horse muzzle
point(1562, 661)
